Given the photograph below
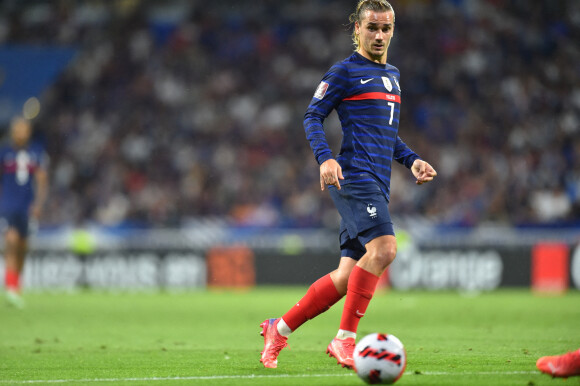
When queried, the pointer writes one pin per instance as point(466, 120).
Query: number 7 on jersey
point(392, 105)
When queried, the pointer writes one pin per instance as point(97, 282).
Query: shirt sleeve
point(403, 154)
point(327, 97)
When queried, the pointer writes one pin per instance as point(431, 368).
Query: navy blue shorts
point(17, 220)
point(365, 215)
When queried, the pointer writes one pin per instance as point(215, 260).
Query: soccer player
point(366, 93)
point(24, 188)
point(565, 365)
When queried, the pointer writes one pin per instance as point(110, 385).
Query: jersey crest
point(387, 83)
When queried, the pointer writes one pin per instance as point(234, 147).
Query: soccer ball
point(380, 358)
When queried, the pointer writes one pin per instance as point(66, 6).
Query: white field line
point(253, 376)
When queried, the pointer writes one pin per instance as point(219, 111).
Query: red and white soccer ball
point(380, 358)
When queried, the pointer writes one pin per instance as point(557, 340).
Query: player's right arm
point(327, 97)
point(330, 173)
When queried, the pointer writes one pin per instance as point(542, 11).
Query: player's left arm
point(422, 170)
point(41, 190)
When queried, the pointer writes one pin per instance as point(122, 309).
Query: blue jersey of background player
point(23, 191)
point(366, 93)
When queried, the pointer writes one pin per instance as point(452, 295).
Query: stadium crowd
point(180, 109)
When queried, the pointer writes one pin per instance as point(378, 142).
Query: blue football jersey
point(367, 98)
point(17, 168)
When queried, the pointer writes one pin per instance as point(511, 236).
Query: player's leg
point(16, 247)
point(565, 365)
point(14, 254)
point(12, 259)
point(321, 295)
point(364, 209)
point(380, 252)
point(340, 275)
point(21, 251)
point(363, 280)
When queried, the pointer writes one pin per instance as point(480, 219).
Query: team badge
point(372, 210)
point(387, 83)
point(321, 90)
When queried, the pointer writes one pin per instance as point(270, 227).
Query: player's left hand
point(422, 171)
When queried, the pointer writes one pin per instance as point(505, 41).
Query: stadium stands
point(184, 109)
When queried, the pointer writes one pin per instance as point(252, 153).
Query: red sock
point(321, 295)
point(12, 280)
point(360, 289)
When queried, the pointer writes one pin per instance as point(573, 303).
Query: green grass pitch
point(212, 338)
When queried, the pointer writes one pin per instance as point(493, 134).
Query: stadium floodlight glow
point(31, 108)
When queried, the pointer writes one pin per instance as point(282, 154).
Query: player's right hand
point(330, 174)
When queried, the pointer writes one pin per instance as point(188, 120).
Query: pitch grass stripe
point(198, 378)
point(473, 373)
point(218, 377)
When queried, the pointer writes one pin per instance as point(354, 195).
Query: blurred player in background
point(365, 92)
point(24, 189)
point(565, 365)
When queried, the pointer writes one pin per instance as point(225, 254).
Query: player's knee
point(11, 234)
point(340, 280)
point(11, 238)
point(384, 255)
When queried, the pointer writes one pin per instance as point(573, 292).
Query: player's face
point(375, 31)
point(20, 132)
